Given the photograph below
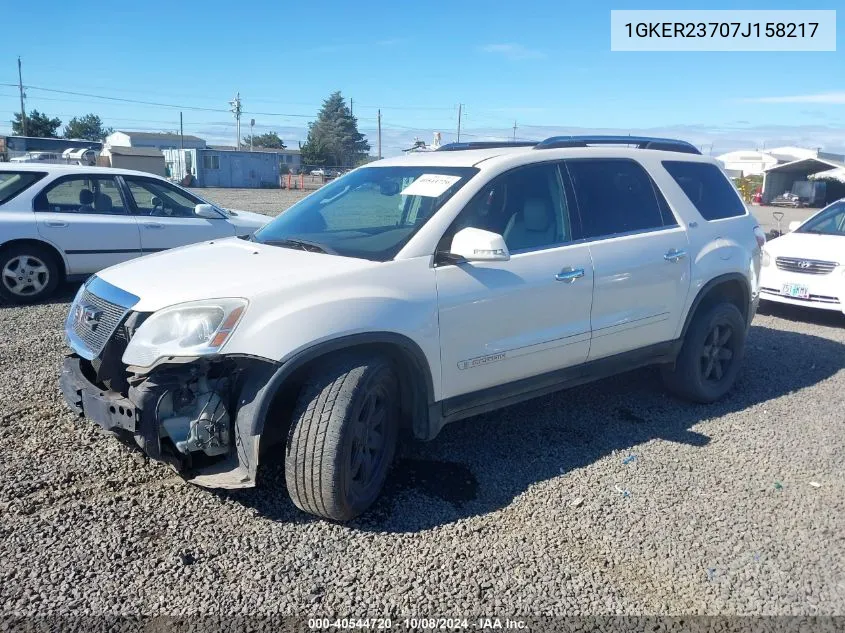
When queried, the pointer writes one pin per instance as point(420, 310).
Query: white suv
point(413, 292)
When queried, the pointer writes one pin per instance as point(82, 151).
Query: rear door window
point(707, 188)
point(615, 195)
point(82, 194)
point(13, 183)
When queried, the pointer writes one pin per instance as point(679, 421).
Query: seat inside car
point(532, 227)
point(103, 203)
point(86, 200)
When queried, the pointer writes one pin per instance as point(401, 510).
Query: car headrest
point(535, 213)
point(103, 203)
point(86, 197)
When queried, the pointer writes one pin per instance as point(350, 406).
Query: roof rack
point(641, 142)
point(456, 147)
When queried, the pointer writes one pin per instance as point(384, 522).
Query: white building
point(747, 162)
point(154, 140)
point(755, 162)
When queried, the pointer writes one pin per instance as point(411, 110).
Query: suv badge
point(88, 316)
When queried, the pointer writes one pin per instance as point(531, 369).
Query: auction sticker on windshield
point(430, 185)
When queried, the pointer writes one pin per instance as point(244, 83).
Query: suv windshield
point(831, 221)
point(370, 213)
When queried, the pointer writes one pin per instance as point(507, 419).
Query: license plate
point(796, 291)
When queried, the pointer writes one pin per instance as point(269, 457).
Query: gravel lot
point(684, 509)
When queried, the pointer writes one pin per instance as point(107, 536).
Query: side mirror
point(478, 245)
point(794, 225)
point(206, 211)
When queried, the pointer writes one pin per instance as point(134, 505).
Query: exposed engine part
point(195, 418)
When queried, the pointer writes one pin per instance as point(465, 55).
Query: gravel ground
point(610, 498)
point(269, 201)
point(684, 509)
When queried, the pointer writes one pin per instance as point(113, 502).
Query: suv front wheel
point(710, 357)
point(343, 436)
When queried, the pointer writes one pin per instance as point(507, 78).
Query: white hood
point(829, 248)
point(247, 221)
point(223, 268)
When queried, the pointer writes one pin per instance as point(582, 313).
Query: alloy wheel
point(368, 440)
point(717, 353)
point(25, 275)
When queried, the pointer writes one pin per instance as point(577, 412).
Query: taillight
point(760, 236)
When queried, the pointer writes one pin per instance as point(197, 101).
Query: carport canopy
point(780, 178)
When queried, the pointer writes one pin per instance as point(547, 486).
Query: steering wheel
point(158, 206)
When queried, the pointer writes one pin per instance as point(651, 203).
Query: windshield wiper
point(305, 245)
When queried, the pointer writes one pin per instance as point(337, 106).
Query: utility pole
point(181, 134)
point(20, 88)
point(350, 106)
point(514, 131)
point(236, 110)
point(251, 134)
point(379, 133)
point(460, 106)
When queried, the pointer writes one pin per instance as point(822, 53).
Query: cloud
point(711, 139)
point(513, 51)
point(836, 98)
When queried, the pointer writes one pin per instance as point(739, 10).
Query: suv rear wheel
point(343, 436)
point(28, 273)
point(709, 361)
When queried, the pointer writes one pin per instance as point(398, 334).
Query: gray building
point(225, 168)
point(155, 140)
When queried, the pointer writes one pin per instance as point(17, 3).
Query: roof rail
point(641, 142)
point(456, 147)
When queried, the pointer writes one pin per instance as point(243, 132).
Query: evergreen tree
point(37, 124)
point(334, 139)
point(89, 127)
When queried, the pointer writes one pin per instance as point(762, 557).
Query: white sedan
point(806, 267)
point(65, 221)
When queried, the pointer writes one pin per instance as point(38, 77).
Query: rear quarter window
point(13, 183)
point(707, 188)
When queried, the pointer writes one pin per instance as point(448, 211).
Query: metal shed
point(225, 168)
point(782, 178)
point(139, 158)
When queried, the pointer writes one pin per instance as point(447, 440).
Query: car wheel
point(28, 273)
point(343, 436)
point(710, 357)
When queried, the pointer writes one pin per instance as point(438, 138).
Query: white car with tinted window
point(806, 267)
point(61, 222)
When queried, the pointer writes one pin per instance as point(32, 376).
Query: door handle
point(153, 225)
point(674, 255)
point(569, 275)
point(56, 223)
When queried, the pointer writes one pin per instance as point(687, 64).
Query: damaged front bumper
point(200, 417)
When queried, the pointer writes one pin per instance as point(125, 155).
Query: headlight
point(187, 329)
point(767, 260)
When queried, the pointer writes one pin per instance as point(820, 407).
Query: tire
point(704, 372)
point(39, 273)
point(336, 459)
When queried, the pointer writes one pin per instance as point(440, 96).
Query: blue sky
point(546, 65)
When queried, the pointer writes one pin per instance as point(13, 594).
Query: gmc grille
point(95, 332)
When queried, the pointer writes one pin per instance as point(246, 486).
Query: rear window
point(14, 182)
point(707, 188)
